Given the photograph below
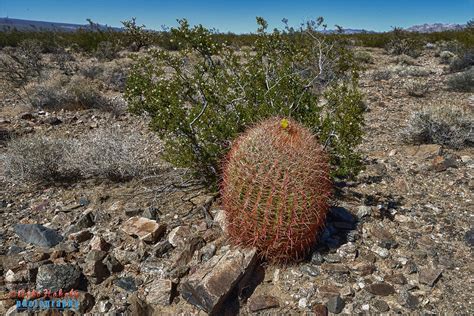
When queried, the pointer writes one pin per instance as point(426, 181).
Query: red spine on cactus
point(275, 189)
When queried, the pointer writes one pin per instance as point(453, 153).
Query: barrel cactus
point(275, 189)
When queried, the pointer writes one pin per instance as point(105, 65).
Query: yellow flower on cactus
point(284, 123)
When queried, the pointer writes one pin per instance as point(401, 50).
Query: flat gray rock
point(38, 235)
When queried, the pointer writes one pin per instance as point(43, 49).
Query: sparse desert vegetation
point(113, 147)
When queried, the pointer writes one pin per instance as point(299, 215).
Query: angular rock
point(220, 219)
point(160, 292)
point(96, 271)
point(98, 243)
point(144, 228)
point(335, 304)
point(363, 268)
point(179, 236)
point(317, 258)
point(161, 248)
point(328, 291)
point(381, 289)
point(58, 276)
point(126, 283)
point(38, 235)
point(407, 300)
point(81, 236)
point(396, 279)
point(310, 270)
point(261, 302)
point(113, 265)
point(429, 276)
point(348, 251)
point(210, 285)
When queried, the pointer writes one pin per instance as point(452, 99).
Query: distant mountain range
point(435, 27)
point(29, 25)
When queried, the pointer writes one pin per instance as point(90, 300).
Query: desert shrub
point(65, 61)
point(416, 88)
point(94, 71)
point(411, 71)
point(453, 47)
point(39, 159)
point(21, 64)
point(106, 51)
point(136, 35)
point(465, 61)
point(462, 82)
point(403, 43)
point(405, 60)
point(378, 75)
point(444, 125)
point(115, 77)
point(203, 96)
point(364, 57)
point(446, 56)
point(108, 153)
point(60, 92)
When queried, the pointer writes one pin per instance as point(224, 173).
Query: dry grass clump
point(416, 88)
point(462, 82)
point(364, 57)
point(405, 60)
point(379, 75)
point(450, 126)
point(411, 71)
point(71, 93)
point(39, 158)
point(109, 153)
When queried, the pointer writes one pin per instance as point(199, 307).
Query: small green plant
point(275, 189)
point(201, 97)
point(462, 82)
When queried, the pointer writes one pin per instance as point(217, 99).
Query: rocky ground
point(399, 239)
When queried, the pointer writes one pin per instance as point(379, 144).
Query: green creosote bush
point(203, 96)
point(403, 43)
point(136, 35)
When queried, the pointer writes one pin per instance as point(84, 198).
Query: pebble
point(382, 289)
point(335, 304)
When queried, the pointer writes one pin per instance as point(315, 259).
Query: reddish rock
point(211, 284)
point(261, 302)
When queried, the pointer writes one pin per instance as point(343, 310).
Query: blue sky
point(239, 16)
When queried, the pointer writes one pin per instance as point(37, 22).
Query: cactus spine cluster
point(275, 189)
